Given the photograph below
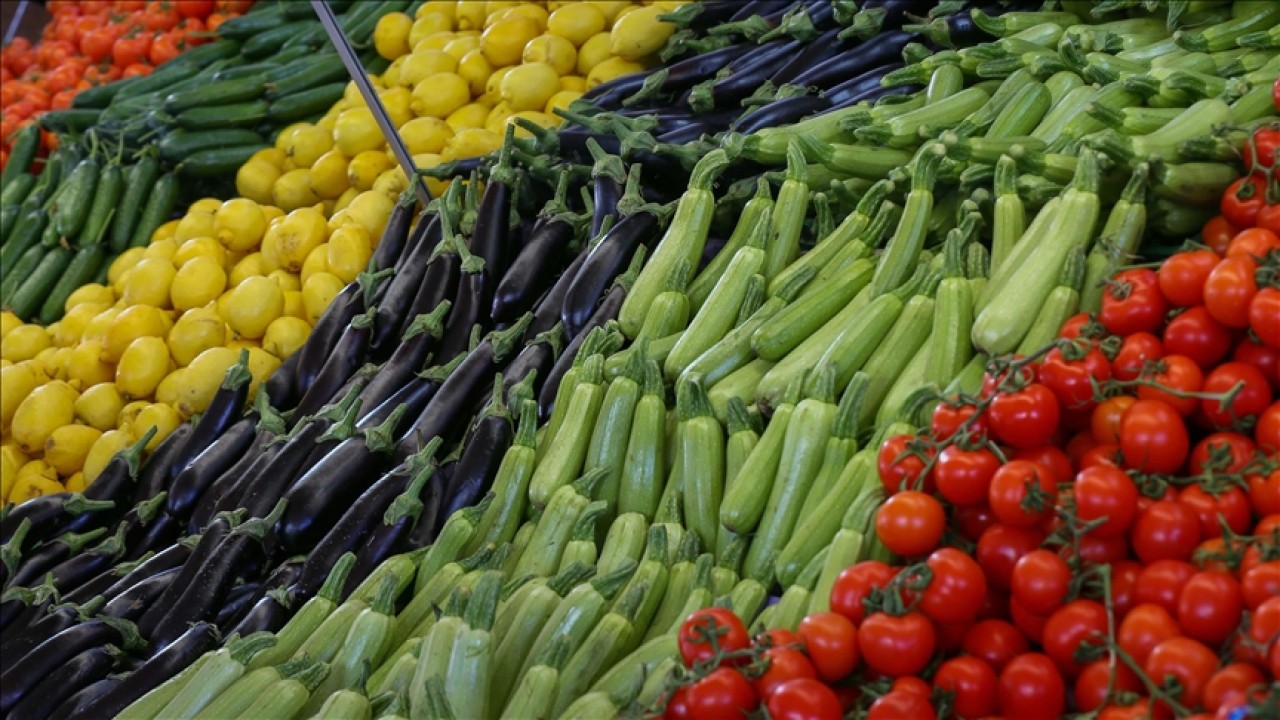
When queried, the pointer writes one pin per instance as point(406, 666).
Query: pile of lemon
point(149, 348)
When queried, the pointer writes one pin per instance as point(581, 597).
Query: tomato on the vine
point(724, 694)
point(1041, 580)
point(896, 645)
point(972, 684)
point(1197, 335)
point(1260, 583)
point(1217, 234)
point(1024, 418)
point(1222, 452)
point(1262, 145)
point(711, 629)
point(1230, 685)
point(948, 418)
point(1242, 200)
point(1030, 688)
point(1229, 505)
point(910, 523)
point(1167, 530)
point(1132, 302)
point(956, 587)
point(1229, 291)
point(1073, 381)
point(999, 549)
point(1269, 218)
point(1183, 274)
point(831, 640)
point(1255, 242)
point(994, 641)
point(1160, 583)
point(783, 665)
point(1175, 378)
point(1264, 492)
point(1244, 389)
point(900, 464)
point(1107, 499)
point(1266, 433)
point(962, 476)
point(1153, 437)
point(1262, 356)
point(855, 583)
point(898, 704)
point(1190, 662)
point(1144, 627)
point(1099, 679)
point(1022, 493)
point(1210, 606)
point(804, 699)
point(1070, 627)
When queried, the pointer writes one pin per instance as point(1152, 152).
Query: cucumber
point(253, 23)
point(216, 94)
point(139, 182)
point(179, 144)
point(317, 71)
point(245, 114)
point(25, 146)
point(241, 71)
point(79, 271)
point(270, 41)
point(160, 205)
point(35, 287)
point(17, 189)
point(21, 269)
point(9, 214)
point(308, 103)
point(162, 79)
point(218, 161)
point(100, 96)
point(106, 199)
point(312, 38)
point(26, 234)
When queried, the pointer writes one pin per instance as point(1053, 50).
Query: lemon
point(639, 33)
point(192, 225)
point(497, 9)
point(285, 279)
point(560, 100)
point(391, 35)
point(472, 142)
point(129, 413)
point(318, 259)
point(132, 323)
point(42, 411)
point(471, 115)
point(317, 292)
point(95, 293)
point(536, 13)
point(504, 41)
point(261, 365)
point(308, 143)
point(475, 68)
point(239, 223)
point(202, 377)
point(9, 321)
point(300, 232)
point(292, 190)
point(398, 101)
point(493, 86)
point(423, 64)
point(53, 362)
point(86, 365)
point(96, 328)
point(365, 167)
point(391, 183)
point(198, 283)
point(102, 450)
point(99, 405)
point(252, 305)
point(67, 447)
point(165, 231)
point(469, 15)
point(428, 24)
point(593, 52)
point(74, 321)
point(390, 78)
point(427, 161)
point(343, 201)
point(195, 332)
point(459, 46)
point(425, 135)
point(22, 343)
point(272, 156)
point(434, 41)
point(357, 131)
point(611, 69)
point(529, 86)
point(144, 364)
point(160, 416)
point(293, 305)
point(553, 50)
point(329, 175)
point(32, 484)
point(256, 180)
point(160, 249)
point(170, 387)
point(206, 205)
point(285, 335)
point(446, 7)
point(576, 22)
point(202, 247)
point(497, 120)
point(17, 381)
point(249, 266)
point(613, 10)
point(349, 250)
point(371, 210)
point(535, 117)
point(11, 461)
point(148, 283)
point(573, 83)
point(440, 95)
point(243, 344)
point(76, 482)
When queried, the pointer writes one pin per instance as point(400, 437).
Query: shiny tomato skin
point(1167, 530)
point(1174, 378)
point(1260, 583)
point(784, 664)
point(729, 631)
point(1217, 234)
point(1249, 401)
point(1195, 334)
point(900, 466)
point(831, 640)
point(949, 418)
point(1022, 493)
point(1229, 291)
point(972, 683)
point(1041, 580)
point(1025, 418)
point(1210, 607)
point(957, 588)
point(1267, 431)
point(1030, 688)
point(1073, 381)
point(999, 549)
point(1153, 438)
point(855, 583)
point(1182, 276)
point(1124, 586)
point(1255, 243)
point(1264, 357)
point(1242, 200)
point(1264, 310)
point(896, 646)
point(1094, 681)
point(898, 704)
point(994, 641)
point(1222, 452)
point(1231, 684)
point(725, 694)
point(804, 699)
point(1146, 626)
point(1135, 352)
point(1107, 496)
point(1132, 302)
point(963, 476)
point(1230, 505)
point(910, 523)
point(1072, 626)
point(1188, 661)
point(1161, 582)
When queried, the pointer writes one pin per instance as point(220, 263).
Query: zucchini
point(216, 94)
point(218, 161)
point(308, 103)
point(180, 144)
point(245, 114)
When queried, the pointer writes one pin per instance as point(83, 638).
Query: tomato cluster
point(90, 42)
point(1253, 200)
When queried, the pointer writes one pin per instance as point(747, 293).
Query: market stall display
point(847, 362)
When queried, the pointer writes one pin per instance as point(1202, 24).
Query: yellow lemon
point(132, 323)
point(391, 35)
point(86, 366)
point(576, 22)
point(639, 33)
point(165, 231)
point(440, 95)
point(447, 7)
point(195, 332)
point(202, 377)
point(298, 234)
point(103, 449)
point(308, 143)
point(96, 293)
point(144, 364)
point(293, 305)
point(239, 223)
point(285, 335)
point(256, 180)
point(423, 64)
point(124, 263)
point(428, 24)
point(472, 142)
point(399, 104)
point(252, 305)
point(31, 484)
point(573, 83)
point(493, 86)
point(16, 383)
point(194, 224)
point(611, 69)
point(249, 266)
point(169, 390)
point(529, 86)
point(497, 120)
point(292, 190)
point(272, 155)
point(553, 50)
point(129, 413)
point(197, 284)
point(99, 406)
point(459, 46)
point(434, 41)
point(613, 10)
point(23, 343)
point(471, 115)
point(76, 482)
point(349, 250)
point(71, 328)
point(148, 283)
point(206, 205)
point(371, 210)
point(560, 101)
point(261, 365)
point(357, 131)
point(364, 168)
point(287, 280)
point(202, 247)
point(67, 447)
point(504, 41)
point(329, 175)
point(425, 135)
point(534, 12)
point(42, 411)
point(535, 117)
point(318, 259)
point(317, 292)
point(9, 321)
point(427, 161)
point(391, 183)
point(593, 52)
point(469, 15)
point(475, 68)
point(164, 418)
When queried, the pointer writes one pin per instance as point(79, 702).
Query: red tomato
point(1153, 437)
point(1124, 586)
point(1261, 146)
point(901, 463)
point(1210, 607)
point(1224, 452)
point(131, 50)
point(1264, 492)
point(1250, 399)
point(1146, 626)
point(1132, 302)
point(137, 70)
point(1175, 378)
point(1160, 583)
point(956, 588)
point(779, 637)
point(1055, 460)
point(160, 16)
point(1183, 274)
point(1197, 335)
point(962, 476)
point(855, 583)
point(947, 419)
point(1229, 505)
point(971, 682)
point(1188, 661)
point(804, 699)
point(1100, 550)
point(1242, 200)
point(910, 523)
point(899, 704)
point(1025, 418)
point(994, 641)
point(1105, 420)
point(1264, 316)
point(999, 549)
point(1075, 326)
point(722, 695)
point(1269, 218)
point(832, 643)
point(1073, 381)
point(1041, 580)
point(784, 664)
point(1267, 432)
point(1229, 291)
point(1022, 493)
point(1167, 530)
point(1107, 496)
point(194, 8)
point(711, 629)
point(896, 645)
point(1069, 628)
point(1264, 626)
point(1264, 357)
point(1231, 684)
point(911, 684)
point(1254, 242)
point(1094, 683)
point(165, 48)
point(1031, 688)
point(97, 43)
point(972, 520)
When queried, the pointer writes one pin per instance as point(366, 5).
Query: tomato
point(194, 8)
point(1069, 628)
point(1094, 682)
point(160, 16)
point(1106, 496)
point(1040, 581)
point(1072, 381)
point(1210, 606)
point(165, 48)
point(1161, 582)
point(994, 641)
point(1264, 492)
point(1025, 418)
point(711, 629)
point(1183, 274)
point(1229, 505)
point(1231, 683)
point(1269, 218)
point(1254, 242)
point(1153, 437)
point(1222, 452)
point(1144, 627)
point(1264, 310)
point(137, 70)
point(972, 520)
point(901, 463)
point(1077, 325)
point(1167, 530)
point(1132, 302)
point(898, 704)
point(784, 664)
point(896, 645)
point(1229, 291)
point(999, 549)
point(948, 418)
point(831, 640)
point(1022, 493)
point(1030, 688)
point(779, 637)
point(97, 43)
point(1096, 550)
point(855, 583)
point(911, 684)
point(1261, 146)
point(1264, 626)
point(956, 587)
point(910, 523)
point(1198, 336)
point(1249, 400)
point(804, 699)
point(1124, 586)
point(1104, 422)
point(962, 476)
point(130, 50)
point(971, 682)
point(1263, 357)
point(1136, 351)
point(1188, 661)
point(1174, 377)
point(1242, 200)
point(722, 695)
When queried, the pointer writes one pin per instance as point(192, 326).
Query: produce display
point(793, 359)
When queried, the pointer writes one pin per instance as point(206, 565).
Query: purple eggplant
point(88, 697)
point(29, 671)
point(134, 572)
point(758, 7)
point(11, 552)
point(432, 518)
point(268, 614)
point(535, 360)
point(270, 425)
point(611, 93)
point(160, 533)
point(482, 454)
point(886, 49)
point(491, 237)
point(348, 354)
point(534, 268)
point(821, 49)
point(394, 235)
point(782, 112)
point(238, 601)
point(745, 75)
point(474, 296)
point(36, 564)
point(22, 639)
point(68, 677)
point(682, 75)
point(439, 283)
point(196, 557)
point(190, 485)
point(44, 515)
point(282, 386)
point(223, 409)
point(115, 483)
point(608, 178)
point(406, 281)
point(607, 311)
point(319, 345)
point(546, 312)
point(155, 474)
point(858, 88)
point(130, 604)
point(77, 569)
point(415, 347)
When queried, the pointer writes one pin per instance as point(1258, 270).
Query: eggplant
point(270, 425)
point(546, 312)
point(159, 467)
point(94, 586)
point(858, 88)
point(11, 552)
point(387, 538)
point(482, 454)
point(268, 614)
point(745, 75)
point(223, 409)
point(22, 640)
point(39, 562)
point(758, 7)
point(611, 93)
point(491, 237)
point(680, 76)
point(394, 235)
point(173, 556)
point(238, 601)
point(161, 666)
point(432, 518)
point(84, 668)
point(439, 283)
point(533, 269)
point(348, 355)
point(820, 50)
point(282, 386)
point(195, 558)
point(160, 533)
point(130, 604)
point(43, 516)
point(782, 112)
point(77, 569)
point(190, 485)
point(535, 360)
point(886, 48)
point(471, 303)
point(28, 672)
point(704, 15)
point(607, 180)
point(319, 345)
point(404, 284)
point(607, 311)
point(87, 697)
point(401, 369)
point(115, 483)
point(955, 30)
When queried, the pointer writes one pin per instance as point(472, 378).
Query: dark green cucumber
point(179, 144)
point(20, 270)
point(70, 121)
point(250, 24)
point(35, 288)
point(202, 55)
point(326, 68)
point(308, 103)
point(242, 71)
point(161, 79)
point(139, 182)
point(79, 271)
point(312, 38)
point(9, 215)
point(17, 189)
point(217, 161)
point(160, 205)
point(106, 197)
point(26, 234)
point(216, 94)
point(23, 153)
point(100, 96)
point(245, 114)
point(75, 197)
point(269, 42)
